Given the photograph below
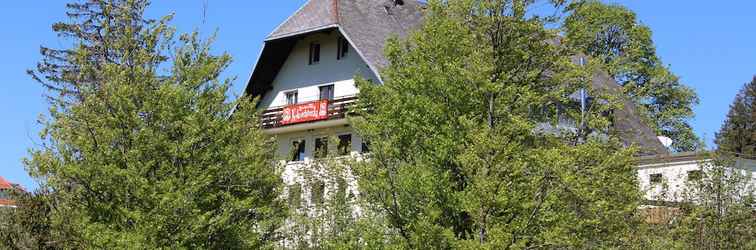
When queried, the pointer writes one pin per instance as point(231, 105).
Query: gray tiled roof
point(385, 20)
point(367, 24)
point(627, 122)
point(313, 15)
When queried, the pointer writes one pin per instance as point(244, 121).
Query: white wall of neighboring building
point(297, 74)
point(675, 177)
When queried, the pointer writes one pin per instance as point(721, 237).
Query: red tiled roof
point(5, 184)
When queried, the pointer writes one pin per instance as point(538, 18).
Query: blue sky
point(710, 46)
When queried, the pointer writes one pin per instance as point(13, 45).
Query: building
point(665, 178)
point(305, 78)
point(668, 180)
point(6, 191)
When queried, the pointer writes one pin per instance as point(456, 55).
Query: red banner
point(305, 112)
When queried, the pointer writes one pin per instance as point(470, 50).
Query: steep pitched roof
point(627, 122)
point(384, 19)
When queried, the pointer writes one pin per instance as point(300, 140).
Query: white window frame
point(333, 91)
point(295, 93)
point(314, 55)
point(351, 142)
point(291, 144)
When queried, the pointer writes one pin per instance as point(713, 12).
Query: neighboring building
point(667, 181)
point(305, 80)
point(666, 178)
point(6, 191)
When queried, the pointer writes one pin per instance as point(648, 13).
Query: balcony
point(336, 109)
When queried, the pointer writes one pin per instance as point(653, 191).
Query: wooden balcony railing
point(337, 109)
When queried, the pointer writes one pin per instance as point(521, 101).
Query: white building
point(667, 178)
point(305, 80)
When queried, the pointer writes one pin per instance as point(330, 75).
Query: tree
point(140, 159)
point(738, 133)
point(476, 141)
point(613, 35)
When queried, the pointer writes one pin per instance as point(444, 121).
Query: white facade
point(297, 74)
point(668, 179)
point(672, 179)
point(285, 141)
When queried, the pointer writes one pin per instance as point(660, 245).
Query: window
point(291, 97)
point(321, 147)
point(314, 53)
point(365, 146)
point(655, 178)
point(295, 196)
point(695, 175)
point(297, 150)
point(343, 49)
point(326, 92)
point(345, 144)
point(316, 192)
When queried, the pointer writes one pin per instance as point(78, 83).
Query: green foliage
point(140, 159)
point(467, 146)
point(613, 35)
point(738, 133)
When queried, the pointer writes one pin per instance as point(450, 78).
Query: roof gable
point(367, 24)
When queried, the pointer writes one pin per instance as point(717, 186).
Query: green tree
point(738, 133)
point(613, 35)
point(476, 141)
point(141, 148)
